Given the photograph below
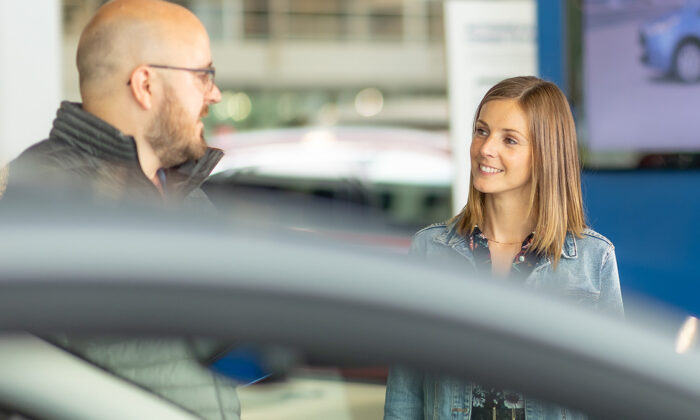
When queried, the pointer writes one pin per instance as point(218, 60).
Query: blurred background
point(303, 62)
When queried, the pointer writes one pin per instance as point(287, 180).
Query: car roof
point(334, 304)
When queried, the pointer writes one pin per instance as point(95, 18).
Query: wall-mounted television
point(639, 80)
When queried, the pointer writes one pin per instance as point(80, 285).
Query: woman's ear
point(141, 84)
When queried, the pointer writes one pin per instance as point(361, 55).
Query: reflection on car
point(671, 43)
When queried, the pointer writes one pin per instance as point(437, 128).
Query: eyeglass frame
point(209, 71)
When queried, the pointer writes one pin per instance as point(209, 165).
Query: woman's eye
point(510, 140)
point(480, 132)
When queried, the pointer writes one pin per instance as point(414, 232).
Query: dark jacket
point(86, 158)
point(86, 155)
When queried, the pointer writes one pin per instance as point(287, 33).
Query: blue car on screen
point(671, 43)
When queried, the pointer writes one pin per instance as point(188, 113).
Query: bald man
point(146, 81)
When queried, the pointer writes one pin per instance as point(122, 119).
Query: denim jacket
point(586, 273)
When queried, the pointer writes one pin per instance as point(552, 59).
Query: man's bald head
point(127, 33)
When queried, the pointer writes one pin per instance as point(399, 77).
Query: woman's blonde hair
point(555, 198)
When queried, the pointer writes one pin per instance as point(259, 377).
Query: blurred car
point(301, 299)
point(671, 43)
point(403, 175)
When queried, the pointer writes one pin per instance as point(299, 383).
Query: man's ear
point(141, 84)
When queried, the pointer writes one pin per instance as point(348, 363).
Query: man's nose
point(214, 95)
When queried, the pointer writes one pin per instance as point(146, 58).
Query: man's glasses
point(207, 74)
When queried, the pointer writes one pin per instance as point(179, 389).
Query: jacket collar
point(450, 237)
point(104, 141)
point(92, 135)
point(193, 173)
point(569, 249)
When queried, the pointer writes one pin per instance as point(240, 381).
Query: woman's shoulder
point(442, 232)
point(593, 243)
point(590, 235)
point(437, 233)
point(432, 230)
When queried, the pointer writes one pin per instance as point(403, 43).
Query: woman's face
point(501, 151)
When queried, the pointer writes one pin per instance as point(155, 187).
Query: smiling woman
point(523, 221)
point(501, 152)
point(533, 140)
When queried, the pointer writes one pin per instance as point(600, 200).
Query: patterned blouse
point(494, 403)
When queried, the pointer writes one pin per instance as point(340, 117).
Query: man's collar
point(193, 173)
point(90, 133)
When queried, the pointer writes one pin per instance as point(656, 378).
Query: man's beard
point(172, 136)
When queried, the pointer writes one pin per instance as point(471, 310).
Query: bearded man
point(146, 80)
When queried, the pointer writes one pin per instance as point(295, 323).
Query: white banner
point(487, 41)
point(30, 72)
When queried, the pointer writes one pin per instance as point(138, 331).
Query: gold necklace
point(505, 243)
point(499, 242)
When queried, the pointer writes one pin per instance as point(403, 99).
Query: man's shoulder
point(34, 152)
point(46, 165)
point(36, 159)
point(48, 155)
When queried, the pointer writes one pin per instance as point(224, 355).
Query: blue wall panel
point(653, 218)
point(551, 41)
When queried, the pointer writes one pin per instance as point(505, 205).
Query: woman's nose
point(489, 147)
